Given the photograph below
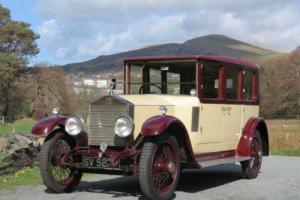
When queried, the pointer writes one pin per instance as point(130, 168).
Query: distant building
point(88, 83)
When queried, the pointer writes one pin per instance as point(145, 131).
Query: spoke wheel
point(159, 168)
point(251, 167)
point(57, 177)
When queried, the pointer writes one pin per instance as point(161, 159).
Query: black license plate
point(102, 163)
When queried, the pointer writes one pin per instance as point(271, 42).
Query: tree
point(17, 45)
point(280, 88)
point(46, 89)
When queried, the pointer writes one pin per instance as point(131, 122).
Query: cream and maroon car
point(176, 112)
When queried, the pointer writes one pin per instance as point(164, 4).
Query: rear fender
point(254, 124)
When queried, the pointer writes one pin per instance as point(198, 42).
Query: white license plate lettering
point(90, 162)
point(85, 161)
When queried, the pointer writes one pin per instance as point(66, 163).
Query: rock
point(22, 150)
point(19, 141)
point(38, 142)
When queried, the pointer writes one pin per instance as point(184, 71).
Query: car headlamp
point(74, 124)
point(124, 126)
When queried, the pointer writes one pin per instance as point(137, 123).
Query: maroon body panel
point(251, 126)
point(46, 125)
point(215, 155)
point(161, 123)
point(231, 60)
point(158, 124)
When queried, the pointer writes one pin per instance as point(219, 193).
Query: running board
point(222, 161)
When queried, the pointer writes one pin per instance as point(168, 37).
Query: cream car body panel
point(220, 125)
point(146, 106)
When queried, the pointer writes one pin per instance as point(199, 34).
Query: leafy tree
point(280, 88)
point(17, 45)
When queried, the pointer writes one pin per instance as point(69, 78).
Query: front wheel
point(159, 167)
point(56, 177)
point(251, 167)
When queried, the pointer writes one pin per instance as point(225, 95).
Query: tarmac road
point(279, 180)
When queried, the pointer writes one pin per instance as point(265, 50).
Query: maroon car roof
point(196, 57)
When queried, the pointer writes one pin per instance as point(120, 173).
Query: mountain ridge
point(209, 45)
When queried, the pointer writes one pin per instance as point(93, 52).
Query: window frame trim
point(222, 85)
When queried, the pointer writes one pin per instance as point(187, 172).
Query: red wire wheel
point(159, 167)
point(251, 167)
point(57, 177)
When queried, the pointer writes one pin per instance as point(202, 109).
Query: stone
point(22, 149)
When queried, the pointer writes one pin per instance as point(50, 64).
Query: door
point(211, 118)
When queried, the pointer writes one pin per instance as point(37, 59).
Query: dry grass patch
point(284, 136)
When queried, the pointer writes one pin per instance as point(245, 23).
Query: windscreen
point(174, 78)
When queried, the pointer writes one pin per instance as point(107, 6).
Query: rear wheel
point(251, 167)
point(159, 167)
point(56, 177)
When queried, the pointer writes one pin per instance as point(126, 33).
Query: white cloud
point(89, 28)
point(61, 52)
point(49, 28)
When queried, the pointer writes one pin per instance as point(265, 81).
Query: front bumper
point(127, 160)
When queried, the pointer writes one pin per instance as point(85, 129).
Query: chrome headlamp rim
point(163, 109)
point(131, 128)
point(55, 110)
point(74, 125)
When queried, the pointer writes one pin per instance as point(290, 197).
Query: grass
point(20, 126)
point(26, 176)
point(287, 152)
point(284, 136)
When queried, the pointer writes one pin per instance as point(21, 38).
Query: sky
point(78, 30)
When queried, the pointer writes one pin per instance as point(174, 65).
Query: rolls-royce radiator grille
point(101, 123)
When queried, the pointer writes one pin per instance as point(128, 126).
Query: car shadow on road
point(191, 181)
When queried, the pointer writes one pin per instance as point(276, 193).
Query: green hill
point(209, 45)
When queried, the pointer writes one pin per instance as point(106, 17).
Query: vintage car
point(176, 112)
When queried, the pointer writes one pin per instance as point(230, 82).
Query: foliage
point(280, 88)
point(20, 126)
point(17, 44)
point(26, 176)
point(46, 89)
point(17, 41)
point(3, 158)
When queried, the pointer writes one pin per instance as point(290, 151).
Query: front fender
point(158, 124)
point(253, 124)
point(46, 125)
point(161, 124)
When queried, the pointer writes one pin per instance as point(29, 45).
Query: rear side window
point(232, 76)
point(210, 77)
point(248, 85)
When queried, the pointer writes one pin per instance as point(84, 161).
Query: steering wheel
point(144, 84)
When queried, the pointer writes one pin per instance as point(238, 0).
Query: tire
point(251, 167)
point(159, 164)
point(51, 151)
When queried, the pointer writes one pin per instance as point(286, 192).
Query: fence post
point(2, 119)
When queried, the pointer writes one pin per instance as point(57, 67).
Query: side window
point(173, 80)
point(232, 76)
point(210, 78)
point(248, 84)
